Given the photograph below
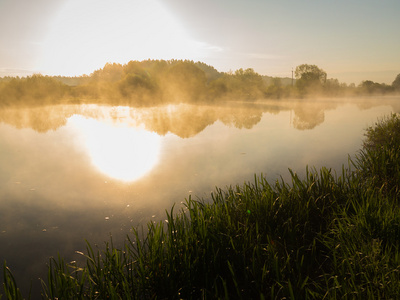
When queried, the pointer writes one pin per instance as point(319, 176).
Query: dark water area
point(71, 173)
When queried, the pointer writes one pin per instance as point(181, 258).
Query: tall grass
point(378, 161)
point(10, 286)
point(323, 236)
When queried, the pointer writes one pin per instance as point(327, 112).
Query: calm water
point(70, 173)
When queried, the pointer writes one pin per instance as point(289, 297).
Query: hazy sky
point(352, 40)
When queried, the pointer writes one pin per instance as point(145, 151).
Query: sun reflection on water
point(118, 150)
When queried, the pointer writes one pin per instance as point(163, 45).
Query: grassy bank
point(324, 236)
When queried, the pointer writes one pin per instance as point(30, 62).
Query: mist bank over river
point(155, 82)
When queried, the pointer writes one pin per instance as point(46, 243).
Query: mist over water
point(54, 193)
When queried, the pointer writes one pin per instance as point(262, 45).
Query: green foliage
point(364, 243)
point(185, 82)
point(151, 82)
point(310, 72)
point(365, 238)
point(332, 87)
point(279, 87)
point(396, 83)
point(210, 72)
point(310, 78)
point(109, 73)
point(385, 133)
point(240, 85)
point(378, 161)
point(34, 90)
point(141, 88)
point(248, 84)
point(370, 87)
point(11, 290)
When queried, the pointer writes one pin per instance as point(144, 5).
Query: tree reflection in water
point(184, 120)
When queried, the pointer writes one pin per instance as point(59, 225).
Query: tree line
point(153, 82)
point(311, 79)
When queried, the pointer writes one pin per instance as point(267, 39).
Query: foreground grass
point(325, 236)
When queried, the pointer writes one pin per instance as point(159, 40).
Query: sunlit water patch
point(118, 150)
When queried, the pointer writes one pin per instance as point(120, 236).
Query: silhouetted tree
point(332, 87)
point(110, 73)
point(185, 82)
point(309, 78)
point(249, 84)
point(370, 87)
point(141, 88)
point(275, 89)
point(396, 83)
point(33, 90)
point(210, 72)
point(218, 88)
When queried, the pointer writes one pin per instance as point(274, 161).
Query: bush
point(378, 161)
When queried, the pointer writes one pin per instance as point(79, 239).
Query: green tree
point(275, 89)
point(309, 78)
point(210, 72)
point(249, 84)
point(111, 72)
point(371, 87)
point(333, 87)
point(396, 83)
point(218, 88)
point(185, 82)
point(139, 87)
point(33, 90)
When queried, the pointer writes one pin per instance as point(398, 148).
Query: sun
point(85, 35)
point(118, 151)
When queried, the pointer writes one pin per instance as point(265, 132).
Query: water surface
point(70, 173)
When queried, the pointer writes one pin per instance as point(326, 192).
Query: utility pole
point(292, 76)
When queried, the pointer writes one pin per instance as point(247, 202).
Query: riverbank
point(323, 236)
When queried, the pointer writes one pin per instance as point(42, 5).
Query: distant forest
point(153, 82)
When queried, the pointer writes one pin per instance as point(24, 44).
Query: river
point(71, 173)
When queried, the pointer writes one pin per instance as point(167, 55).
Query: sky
point(352, 40)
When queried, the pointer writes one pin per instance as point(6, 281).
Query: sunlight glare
point(119, 151)
point(85, 35)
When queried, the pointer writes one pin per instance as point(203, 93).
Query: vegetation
point(309, 78)
point(152, 82)
point(396, 83)
point(326, 236)
point(380, 156)
point(33, 90)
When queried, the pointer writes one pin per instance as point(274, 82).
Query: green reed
point(324, 236)
point(11, 290)
point(378, 160)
